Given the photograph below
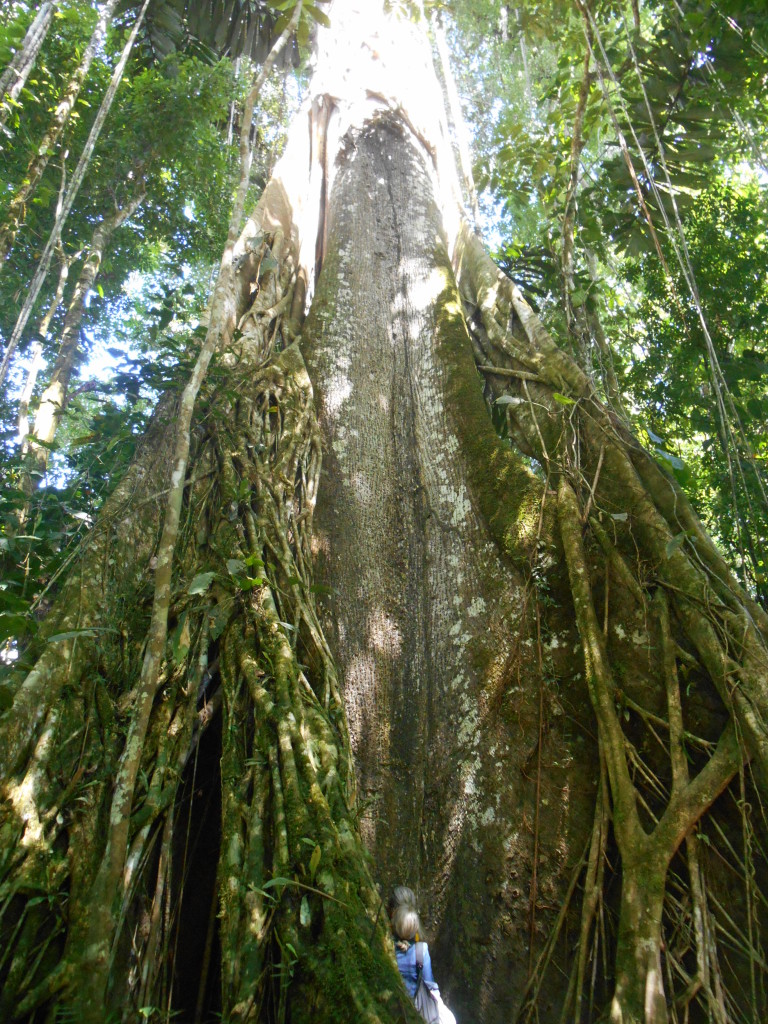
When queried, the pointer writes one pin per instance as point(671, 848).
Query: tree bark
point(16, 212)
point(15, 76)
point(438, 706)
point(54, 398)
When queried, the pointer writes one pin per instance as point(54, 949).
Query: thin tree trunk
point(37, 362)
point(639, 996)
point(575, 313)
point(15, 76)
point(74, 186)
point(16, 213)
point(54, 398)
point(582, 318)
point(37, 347)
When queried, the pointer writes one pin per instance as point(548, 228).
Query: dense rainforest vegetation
point(383, 500)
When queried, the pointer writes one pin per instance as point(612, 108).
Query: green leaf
point(281, 24)
point(314, 860)
point(72, 634)
point(181, 640)
point(13, 625)
point(756, 408)
point(11, 602)
point(277, 881)
point(670, 458)
point(674, 544)
point(305, 914)
point(235, 567)
point(563, 399)
point(201, 582)
point(302, 33)
point(320, 16)
point(697, 154)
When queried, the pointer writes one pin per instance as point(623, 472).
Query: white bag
point(426, 1004)
point(430, 1006)
point(445, 1016)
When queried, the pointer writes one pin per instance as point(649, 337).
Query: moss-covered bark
point(555, 415)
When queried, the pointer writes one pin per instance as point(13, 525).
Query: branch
point(686, 807)
point(503, 371)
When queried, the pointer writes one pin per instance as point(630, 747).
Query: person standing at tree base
point(413, 959)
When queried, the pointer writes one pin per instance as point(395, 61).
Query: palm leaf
point(212, 28)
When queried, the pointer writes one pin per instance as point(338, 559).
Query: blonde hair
point(401, 896)
point(406, 923)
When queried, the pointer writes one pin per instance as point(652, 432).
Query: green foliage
point(245, 28)
point(669, 373)
point(681, 99)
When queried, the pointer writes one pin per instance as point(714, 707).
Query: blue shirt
point(406, 962)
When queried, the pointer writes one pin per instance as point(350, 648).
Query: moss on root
point(508, 495)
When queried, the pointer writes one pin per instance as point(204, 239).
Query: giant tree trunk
point(426, 614)
point(486, 694)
